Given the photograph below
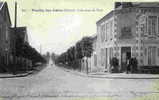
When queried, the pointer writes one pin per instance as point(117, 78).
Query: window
point(102, 57)
point(152, 23)
point(6, 34)
point(142, 29)
point(111, 29)
point(126, 32)
point(145, 52)
point(146, 25)
point(141, 54)
point(152, 55)
point(106, 32)
point(102, 33)
point(111, 52)
point(158, 25)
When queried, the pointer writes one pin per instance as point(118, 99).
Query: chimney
point(15, 23)
point(127, 4)
point(117, 4)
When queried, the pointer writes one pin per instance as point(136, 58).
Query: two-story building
point(130, 30)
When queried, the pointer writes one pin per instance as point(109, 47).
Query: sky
point(56, 25)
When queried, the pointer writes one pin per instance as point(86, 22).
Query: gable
point(5, 13)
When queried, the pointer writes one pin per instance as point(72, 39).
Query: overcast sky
point(56, 31)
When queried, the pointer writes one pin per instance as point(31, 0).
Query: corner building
point(130, 30)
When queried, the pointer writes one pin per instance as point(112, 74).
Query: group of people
point(131, 65)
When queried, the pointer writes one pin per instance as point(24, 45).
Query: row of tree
point(30, 53)
point(74, 54)
point(24, 49)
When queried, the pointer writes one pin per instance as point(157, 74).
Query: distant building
point(130, 30)
point(93, 59)
point(21, 33)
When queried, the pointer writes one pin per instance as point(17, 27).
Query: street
point(55, 83)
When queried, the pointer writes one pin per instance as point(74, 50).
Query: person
point(135, 64)
point(128, 66)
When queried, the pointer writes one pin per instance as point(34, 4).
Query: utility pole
point(15, 30)
point(15, 21)
point(40, 49)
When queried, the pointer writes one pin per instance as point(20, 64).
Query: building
point(5, 24)
point(130, 30)
point(21, 39)
point(10, 39)
point(21, 33)
point(6, 48)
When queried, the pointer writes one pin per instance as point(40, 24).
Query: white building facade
point(130, 30)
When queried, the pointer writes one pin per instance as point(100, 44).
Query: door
point(125, 54)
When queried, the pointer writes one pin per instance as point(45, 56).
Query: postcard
point(79, 50)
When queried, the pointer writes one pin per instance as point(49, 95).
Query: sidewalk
point(7, 75)
point(23, 74)
point(114, 75)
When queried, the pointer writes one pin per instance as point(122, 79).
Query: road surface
point(54, 83)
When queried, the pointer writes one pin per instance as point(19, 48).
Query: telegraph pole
point(15, 17)
point(15, 30)
point(40, 49)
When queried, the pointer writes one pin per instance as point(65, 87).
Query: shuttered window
point(152, 25)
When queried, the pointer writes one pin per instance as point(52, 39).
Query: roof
point(147, 4)
point(134, 5)
point(1, 5)
point(107, 16)
point(4, 4)
point(138, 4)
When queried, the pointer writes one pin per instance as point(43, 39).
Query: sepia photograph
point(79, 50)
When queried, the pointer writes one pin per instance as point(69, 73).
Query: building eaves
point(107, 16)
point(148, 5)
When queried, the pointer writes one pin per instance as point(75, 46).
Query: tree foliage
point(26, 51)
point(84, 47)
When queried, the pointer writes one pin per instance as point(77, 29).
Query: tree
point(87, 46)
point(75, 53)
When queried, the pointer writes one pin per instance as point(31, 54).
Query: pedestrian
point(128, 66)
point(131, 65)
point(135, 64)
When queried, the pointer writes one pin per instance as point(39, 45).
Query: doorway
point(125, 54)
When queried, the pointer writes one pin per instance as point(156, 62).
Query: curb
point(119, 77)
point(108, 77)
point(18, 75)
